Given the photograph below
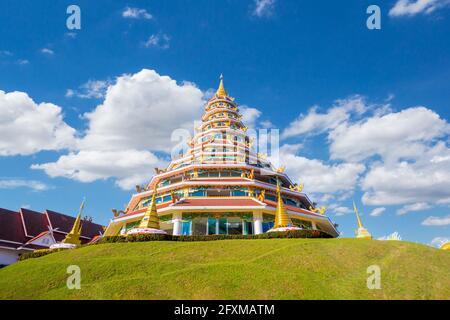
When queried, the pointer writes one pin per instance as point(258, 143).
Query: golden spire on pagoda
point(361, 233)
point(282, 219)
point(150, 218)
point(73, 237)
point(221, 92)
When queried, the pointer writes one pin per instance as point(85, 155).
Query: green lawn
point(235, 269)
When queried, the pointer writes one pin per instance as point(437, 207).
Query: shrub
point(38, 253)
point(168, 237)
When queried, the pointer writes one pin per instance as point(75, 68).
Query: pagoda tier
point(220, 185)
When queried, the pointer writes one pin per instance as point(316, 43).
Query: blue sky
point(363, 114)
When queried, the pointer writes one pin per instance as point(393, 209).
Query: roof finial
point(73, 237)
point(221, 92)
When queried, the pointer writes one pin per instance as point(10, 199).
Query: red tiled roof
point(291, 208)
point(35, 222)
point(65, 223)
point(192, 202)
point(11, 228)
point(95, 239)
point(9, 245)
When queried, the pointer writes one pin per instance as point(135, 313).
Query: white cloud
point(249, 115)
point(266, 124)
point(6, 53)
point(22, 183)
point(70, 93)
point(315, 123)
point(318, 176)
point(27, 127)
point(140, 111)
point(161, 41)
point(436, 221)
point(129, 167)
point(264, 8)
point(341, 211)
point(393, 236)
point(72, 35)
point(406, 183)
point(413, 7)
point(22, 62)
point(419, 206)
point(47, 51)
point(137, 117)
point(92, 89)
point(377, 212)
point(136, 13)
point(392, 136)
point(413, 154)
point(439, 241)
point(406, 151)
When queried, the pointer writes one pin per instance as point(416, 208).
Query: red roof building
point(28, 230)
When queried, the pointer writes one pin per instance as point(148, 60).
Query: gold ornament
point(281, 169)
point(320, 210)
point(296, 187)
point(262, 196)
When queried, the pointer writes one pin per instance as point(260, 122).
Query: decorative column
point(177, 217)
point(257, 222)
point(313, 224)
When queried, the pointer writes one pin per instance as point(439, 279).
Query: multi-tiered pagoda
point(221, 186)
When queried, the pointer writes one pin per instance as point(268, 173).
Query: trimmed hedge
point(168, 237)
point(38, 253)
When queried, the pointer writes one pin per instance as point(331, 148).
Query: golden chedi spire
point(361, 232)
point(282, 219)
point(150, 218)
point(221, 92)
point(73, 237)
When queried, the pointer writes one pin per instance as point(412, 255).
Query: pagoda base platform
point(63, 246)
point(145, 231)
point(363, 233)
point(284, 229)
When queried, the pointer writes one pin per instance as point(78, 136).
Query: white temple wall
point(8, 256)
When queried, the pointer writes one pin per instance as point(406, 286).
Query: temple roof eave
point(267, 206)
point(194, 166)
point(227, 182)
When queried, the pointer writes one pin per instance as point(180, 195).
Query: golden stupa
point(150, 221)
point(73, 237)
point(361, 232)
point(150, 218)
point(282, 220)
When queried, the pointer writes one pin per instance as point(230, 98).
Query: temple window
point(197, 193)
point(239, 193)
point(291, 202)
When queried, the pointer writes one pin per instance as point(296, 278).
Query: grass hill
point(235, 269)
